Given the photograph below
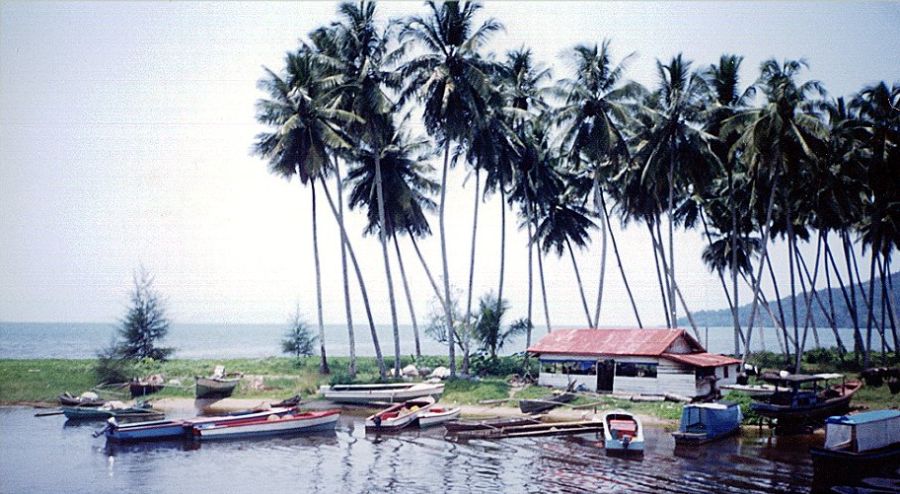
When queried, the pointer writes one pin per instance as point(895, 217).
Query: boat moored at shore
point(362, 394)
point(705, 422)
point(622, 433)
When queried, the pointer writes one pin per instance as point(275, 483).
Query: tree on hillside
point(145, 323)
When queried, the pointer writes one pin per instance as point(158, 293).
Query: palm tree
point(592, 116)
point(775, 139)
point(450, 80)
point(489, 327)
point(302, 111)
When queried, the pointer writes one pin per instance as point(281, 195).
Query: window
point(726, 372)
point(630, 369)
point(569, 367)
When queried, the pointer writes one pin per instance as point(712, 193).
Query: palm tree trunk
point(866, 355)
point(781, 319)
point(467, 320)
point(434, 286)
point(780, 332)
point(807, 299)
point(603, 235)
point(738, 334)
point(448, 317)
point(502, 246)
point(612, 237)
point(815, 296)
point(587, 312)
point(854, 313)
point(543, 287)
point(663, 288)
point(382, 235)
point(530, 278)
point(792, 239)
point(657, 246)
point(831, 320)
point(351, 370)
point(890, 298)
point(867, 299)
point(409, 300)
point(887, 305)
point(672, 307)
point(379, 358)
point(763, 256)
point(323, 364)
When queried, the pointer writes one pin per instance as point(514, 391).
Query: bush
point(299, 340)
point(484, 365)
point(110, 367)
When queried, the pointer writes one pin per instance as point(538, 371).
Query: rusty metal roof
point(701, 359)
point(643, 342)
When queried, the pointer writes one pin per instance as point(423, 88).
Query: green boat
point(142, 412)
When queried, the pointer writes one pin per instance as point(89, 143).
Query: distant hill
point(722, 317)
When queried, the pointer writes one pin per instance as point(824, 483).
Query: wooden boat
point(169, 429)
point(753, 390)
point(112, 409)
point(380, 393)
point(535, 430)
point(548, 402)
point(622, 433)
point(398, 416)
point(438, 415)
point(801, 400)
point(290, 423)
point(461, 426)
point(87, 399)
point(146, 386)
point(856, 446)
point(705, 422)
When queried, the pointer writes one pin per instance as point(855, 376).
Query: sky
point(125, 131)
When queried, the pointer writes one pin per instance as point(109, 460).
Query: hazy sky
point(125, 131)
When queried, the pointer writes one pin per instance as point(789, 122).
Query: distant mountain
point(713, 318)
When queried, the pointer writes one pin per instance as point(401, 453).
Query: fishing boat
point(170, 429)
point(398, 416)
point(622, 433)
point(548, 402)
point(857, 445)
point(291, 423)
point(86, 399)
point(705, 422)
point(752, 390)
point(112, 409)
point(438, 415)
point(380, 393)
point(462, 426)
point(217, 386)
point(802, 400)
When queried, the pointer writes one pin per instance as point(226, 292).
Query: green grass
point(470, 392)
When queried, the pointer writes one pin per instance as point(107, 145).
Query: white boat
point(271, 425)
point(399, 415)
point(438, 415)
point(622, 433)
point(857, 446)
point(750, 389)
point(380, 393)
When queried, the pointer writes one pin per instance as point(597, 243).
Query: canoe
point(380, 393)
point(170, 429)
point(215, 387)
point(545, 403)
point(105, 412)
point(856, 446)
point(438, 415)
point(705, 422)
point(622, 433)
point(460, 426)
point(291, 423)
point(398, 416)
point(88, 399)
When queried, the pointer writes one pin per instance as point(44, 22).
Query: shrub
point(299, 340)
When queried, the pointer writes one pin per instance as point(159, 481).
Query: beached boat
point(753, 390)
point(804, 400)
point(112, 409)
point(146, 386)
point(539, 429)
point(292, 423)
point(462, 426)
point(857, 445)
point(380, 393)
point(86, 399)
point(705, 422)
point(217, 386)
point(399, 415)
point(622, 433)
point(548, 402)
point(438, 415)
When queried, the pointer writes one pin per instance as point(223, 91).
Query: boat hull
point(148, 431)
point(623, 434)
point(542, 405)
point(398, 416)
point(433, 418)
point(832, 467)
point(362, 395)
point(95, 413)
point(310, 422)
point(696, 438)
point(461, 426)
point(214, 388)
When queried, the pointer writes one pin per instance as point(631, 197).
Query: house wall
point(680, 345)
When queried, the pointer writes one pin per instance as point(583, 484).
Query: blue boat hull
point(239, 435)
point(149, 433)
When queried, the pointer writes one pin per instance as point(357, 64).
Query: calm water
point(46, 455)
point(82, 340)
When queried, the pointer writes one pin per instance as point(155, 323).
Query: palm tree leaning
point(303, 114)
point(450, 80)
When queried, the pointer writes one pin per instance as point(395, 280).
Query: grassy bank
point(40, 381)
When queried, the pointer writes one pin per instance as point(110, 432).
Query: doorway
point(606, 371)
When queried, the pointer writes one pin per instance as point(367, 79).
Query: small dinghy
point(112, 409)
point(705, 422)
point(217, 386)
point(622, 433)
point(86, 399)
point(143, 431)
point(290, 423)
point(438, 415)
point(399, 415)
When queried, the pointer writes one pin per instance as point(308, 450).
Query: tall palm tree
point(450, 80)
point(593, 113)
point(775, 140)
point(302, 111)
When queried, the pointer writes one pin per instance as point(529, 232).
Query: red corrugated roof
point(643, 342)
point(702, 359)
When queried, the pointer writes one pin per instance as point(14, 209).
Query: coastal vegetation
point(744, 164)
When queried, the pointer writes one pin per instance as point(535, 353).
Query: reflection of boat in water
point(801, 400)
point(705, 422)
point(622, 433)
point(856, 446)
